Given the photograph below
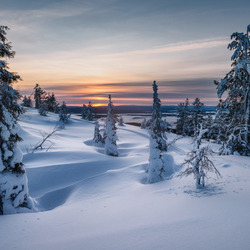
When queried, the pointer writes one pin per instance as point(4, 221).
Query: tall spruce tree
point(84, 111)
point(236, 86)
point(39, 96)
point(14, 195)
point(157, 127)
point(51, 102)
point(157, 141)
point(110, 133)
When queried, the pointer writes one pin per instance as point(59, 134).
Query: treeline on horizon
point(136, 109)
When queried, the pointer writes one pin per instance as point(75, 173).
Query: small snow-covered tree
point(110, 133)
point(121, 123)
point(145, 124)
point(98, 139)
point(157, 141)
point(217, 130)
point(197, 115)
point(63, 114)
point(27, 102)
point(14, 194)
point(236, 86)
point(39, 96)
point(43, 109)
point(198, 162)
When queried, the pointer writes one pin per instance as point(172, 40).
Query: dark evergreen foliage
point(13, 181)
point(235, 109)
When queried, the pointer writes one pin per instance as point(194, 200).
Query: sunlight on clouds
point(191, 45)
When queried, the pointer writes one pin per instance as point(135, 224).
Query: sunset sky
point(83, 50)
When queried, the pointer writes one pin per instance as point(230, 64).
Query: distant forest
point(134, 109)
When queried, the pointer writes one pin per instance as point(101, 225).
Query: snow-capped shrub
point(198, 162)
point(63, 115)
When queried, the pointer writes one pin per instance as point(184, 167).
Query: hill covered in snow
point(88, 200)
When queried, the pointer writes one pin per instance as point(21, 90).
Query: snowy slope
point(88, 200)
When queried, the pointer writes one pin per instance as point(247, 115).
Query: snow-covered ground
point(88, 200)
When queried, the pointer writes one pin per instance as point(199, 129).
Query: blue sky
point(92, 48)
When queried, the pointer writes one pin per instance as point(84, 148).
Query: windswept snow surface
point(89, 200)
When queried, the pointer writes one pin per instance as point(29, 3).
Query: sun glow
point(98, 104)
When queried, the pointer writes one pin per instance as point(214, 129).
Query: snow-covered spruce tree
point(39, 95)
point(157, 142)
point(197, 115)
point(198, 162)
point(90, 112)
point(208, 123)
point(43, 108)
point(27, 102)
point(63, 115)
point(157, 126)
point(97, 136)
point(51, 102)
point(110, 133)
point(184, 124)
point(84, 111)
point(14, 195)
point(236, 86)
point(217, 130)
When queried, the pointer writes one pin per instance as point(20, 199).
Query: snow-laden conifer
point(198, 162)
point(157, 141)
point(90, 112)
point(43, 109)
point(98, 139)
point(236, 86)
point(110, 132)
point(39, 96)
point(51, 102)
point(84, 111)
point(184, 124)
point(14, 194)
point(217, 130)
point(158, 126)
point(27, 102)
point(63, 114)
point(197, 115)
